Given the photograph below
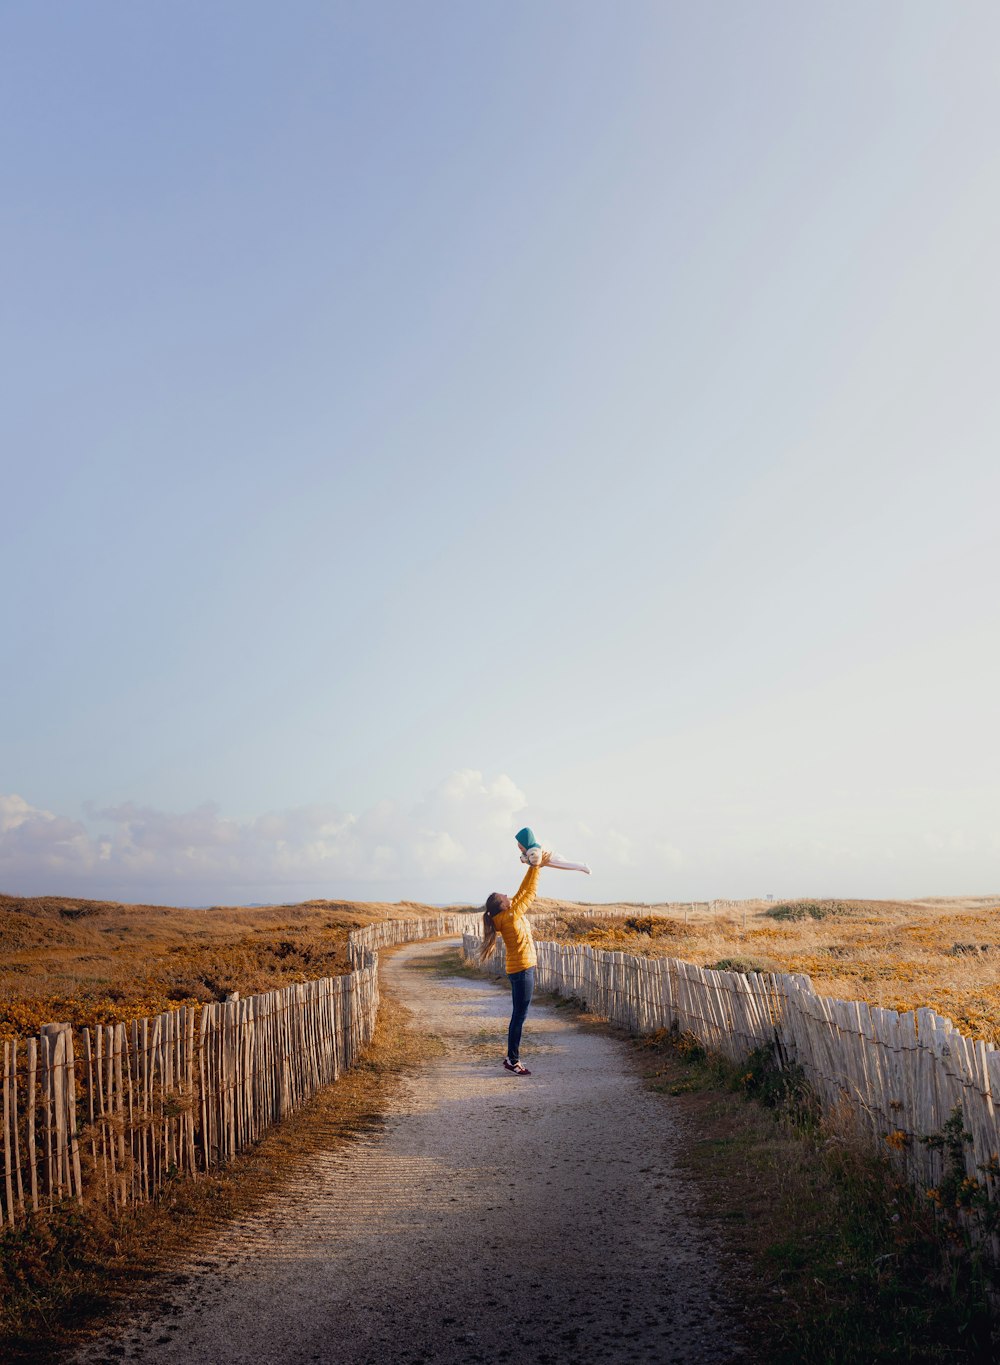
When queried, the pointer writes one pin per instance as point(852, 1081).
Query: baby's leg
point(566, 865)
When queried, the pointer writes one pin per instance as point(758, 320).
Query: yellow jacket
point(514, 929)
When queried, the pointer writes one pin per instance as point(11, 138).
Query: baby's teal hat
point(526, 837)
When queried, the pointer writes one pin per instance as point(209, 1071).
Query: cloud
point(454, 831)
point(455, 844)
point(15, 811)
point(38, 838)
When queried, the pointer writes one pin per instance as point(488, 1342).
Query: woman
point(509, 918)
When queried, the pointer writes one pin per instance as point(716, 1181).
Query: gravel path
point(491, 1218)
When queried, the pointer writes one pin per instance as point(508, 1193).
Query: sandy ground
point(491, 1218)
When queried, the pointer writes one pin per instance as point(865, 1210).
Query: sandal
point(516, 1067)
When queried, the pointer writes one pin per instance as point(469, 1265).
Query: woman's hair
point(494, 904)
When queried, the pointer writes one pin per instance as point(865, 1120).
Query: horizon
point(472, 908)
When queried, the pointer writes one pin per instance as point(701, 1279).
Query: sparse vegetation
point(94, 962)
point(796, 910)
point(739, 964)
point(851, 1264)
point(901, 955)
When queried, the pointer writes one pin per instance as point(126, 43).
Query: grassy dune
point(898, 954)
point(96, 962)
point(91, 962)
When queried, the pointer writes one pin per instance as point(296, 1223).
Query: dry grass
point(901, 955)
point(94, 962)
point(90, 962)
point(838, 1260)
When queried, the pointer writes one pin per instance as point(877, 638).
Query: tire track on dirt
point(489, 1217)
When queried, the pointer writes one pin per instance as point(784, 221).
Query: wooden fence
point(117, 1111)
point(903, 1075)
point(391, 933)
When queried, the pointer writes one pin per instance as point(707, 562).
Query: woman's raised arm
point(527, 891)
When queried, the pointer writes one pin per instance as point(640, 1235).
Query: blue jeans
point(522, 984)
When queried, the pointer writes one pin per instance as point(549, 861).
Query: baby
point(531, 852)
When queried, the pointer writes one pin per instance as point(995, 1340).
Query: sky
point(425, 420)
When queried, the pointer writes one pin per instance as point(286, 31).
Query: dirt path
point(492, 1218)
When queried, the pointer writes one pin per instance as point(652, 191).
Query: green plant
point(796, 910)
point(965, 1200)
point(774, 1085)
point(850, 1251)
point(739, 964)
